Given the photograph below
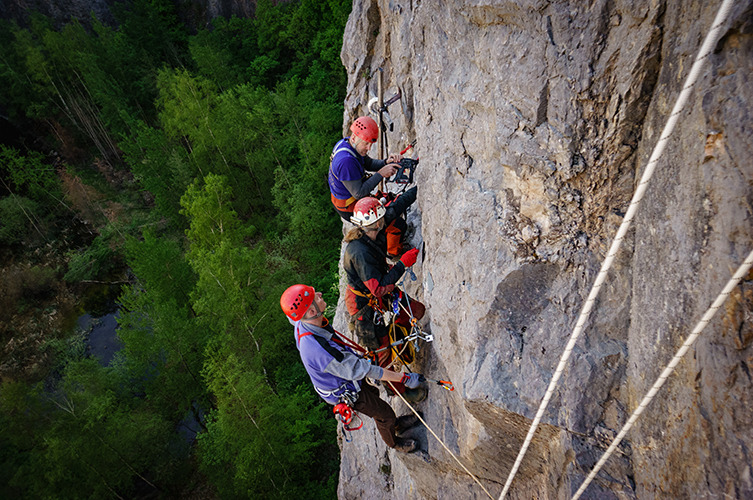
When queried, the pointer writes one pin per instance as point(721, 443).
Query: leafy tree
point(29, 175)
point(161, 165)
point(230, 131)
point(16, 213)
point(97, 260)
point(221, 53)
point(101, 80)
point(249, 358)
point(154, 30)
point(163, 344)
point(83, 438)
point(188, 111)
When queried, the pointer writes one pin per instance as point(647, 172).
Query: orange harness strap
point(343, 205)
point(374, 302)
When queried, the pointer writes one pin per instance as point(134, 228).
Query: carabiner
point(377, 318)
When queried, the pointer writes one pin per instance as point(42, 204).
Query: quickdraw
point(443, 383)
point(408, 338)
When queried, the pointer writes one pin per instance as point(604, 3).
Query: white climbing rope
point(706, 48)
point(440, 441)
point(732, 283)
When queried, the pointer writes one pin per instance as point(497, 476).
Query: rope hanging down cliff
point(732, 283)
point(711, 39)
point(442, 443)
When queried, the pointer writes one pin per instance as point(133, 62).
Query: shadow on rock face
point(522, 296)
point(505, 432)
point(519, 302)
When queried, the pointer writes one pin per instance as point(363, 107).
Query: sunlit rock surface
point(534, 122)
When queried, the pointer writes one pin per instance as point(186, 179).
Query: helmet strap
point(374, 227)
point(319, 313)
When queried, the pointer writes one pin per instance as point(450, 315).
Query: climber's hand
point(394, 158)
point(409, 257)
point(411, 380)
point(388, 170)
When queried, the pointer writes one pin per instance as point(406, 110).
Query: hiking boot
point(406, 445)
point(415, 395)
point(405, 423)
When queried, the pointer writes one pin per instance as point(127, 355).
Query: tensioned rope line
point(706, 48)
point(440, 441)
point(732, 283)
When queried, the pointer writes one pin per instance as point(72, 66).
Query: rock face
point(535, 120)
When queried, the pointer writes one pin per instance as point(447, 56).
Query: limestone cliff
point(534, 120)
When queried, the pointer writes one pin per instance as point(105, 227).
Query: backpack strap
point(343, 147)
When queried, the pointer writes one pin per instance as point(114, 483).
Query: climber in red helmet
point(371, 279)
point(349, 182)
point(338, 373)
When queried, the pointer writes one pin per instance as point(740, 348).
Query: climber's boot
point(415, 395)
point(405, 423)
point(406, 445)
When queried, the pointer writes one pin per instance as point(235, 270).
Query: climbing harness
point(412, 338)
point(711, 39)
point(347, 204)
point(335, 393)
point(399, 335)
point(732, 283)
point(344, 409)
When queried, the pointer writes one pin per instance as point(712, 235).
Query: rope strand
point(440, 441)
point(711, 40)
point(732, 283)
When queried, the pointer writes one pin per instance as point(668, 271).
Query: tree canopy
point(197, 162)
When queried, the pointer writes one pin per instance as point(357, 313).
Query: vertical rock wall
point(534, 120)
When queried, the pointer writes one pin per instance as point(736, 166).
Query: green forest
point(180, 174)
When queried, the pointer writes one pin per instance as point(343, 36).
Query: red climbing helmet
point(296, 300)
point(366, 128)
point(367, 211)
